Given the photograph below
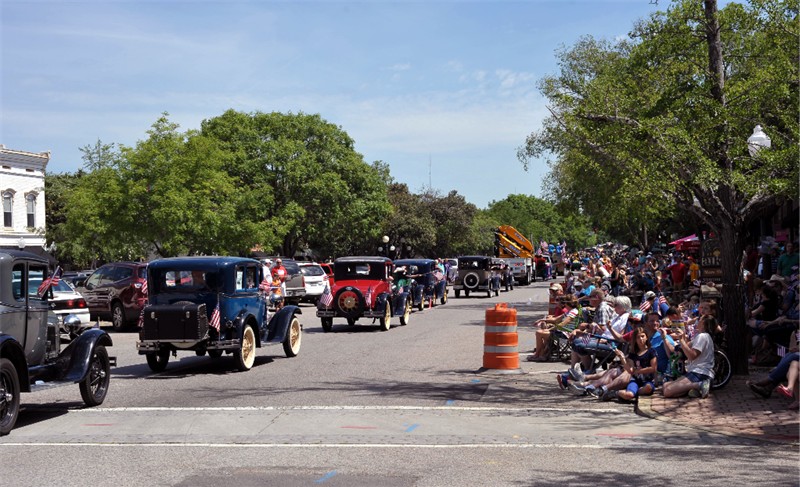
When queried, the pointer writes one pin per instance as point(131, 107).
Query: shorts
point(695, 377)
point(634, 386)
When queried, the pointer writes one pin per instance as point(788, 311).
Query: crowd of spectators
point(652, 325)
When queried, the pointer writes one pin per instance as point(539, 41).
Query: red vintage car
point(363, 288)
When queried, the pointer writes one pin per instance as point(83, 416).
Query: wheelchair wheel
point(722, 370)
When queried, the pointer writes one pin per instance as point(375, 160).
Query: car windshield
point(63, 286)
point(183, 280)
point(471, 264)
point(359, 270)
point(312, 270)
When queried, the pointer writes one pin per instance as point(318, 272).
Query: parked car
point(315, 280)
point(212, 305)
point(76, 278)
point(295, 288)
point(431, 284)
point(114, 292)
point(474, 274)
point(328, 268)
point(31, 352)
point(67, 301)
point(363, 289)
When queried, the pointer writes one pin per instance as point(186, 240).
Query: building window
point(8, 205)
point(30, 205)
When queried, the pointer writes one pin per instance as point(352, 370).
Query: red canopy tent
point(689, 243)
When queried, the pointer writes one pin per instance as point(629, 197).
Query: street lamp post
point(384, 249)
point(758, 141)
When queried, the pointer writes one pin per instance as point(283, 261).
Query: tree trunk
point(737, 335)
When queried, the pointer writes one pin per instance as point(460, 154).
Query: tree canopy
point(661, 120)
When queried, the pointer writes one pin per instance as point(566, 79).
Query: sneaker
point(601, 392)
point(590, 390)
point(577, 389)
point(576, 372)
point(694, 393)
point(562, 381)
point(705, 386)
point(760, 390)
point(608, 395)
point(785, 392)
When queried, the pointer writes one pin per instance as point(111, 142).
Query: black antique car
point(475, 275)
point(364, 287)
point(211, 305)
point(31, 354)
point(430, 283)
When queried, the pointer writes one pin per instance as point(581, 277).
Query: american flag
point(327, 298)
point(662, 299)
point(215, 318)
point(265, 285)
point(368, 298)
point(54, 278)
point(144, 287)
point(644, 307)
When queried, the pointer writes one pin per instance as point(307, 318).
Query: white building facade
point(22, 222)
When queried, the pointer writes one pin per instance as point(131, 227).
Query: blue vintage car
point(212, 305)
point(430, 283)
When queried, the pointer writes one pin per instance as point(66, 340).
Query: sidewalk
point(733, 410)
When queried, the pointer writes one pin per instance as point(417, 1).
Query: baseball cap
point(649, 295)
point(556, 287)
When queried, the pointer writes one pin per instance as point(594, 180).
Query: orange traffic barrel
point(500, 340)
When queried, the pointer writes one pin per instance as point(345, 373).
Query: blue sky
point(443, 91)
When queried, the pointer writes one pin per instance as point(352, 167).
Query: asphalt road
point(363, 407)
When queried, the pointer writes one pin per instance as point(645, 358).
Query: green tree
point(303, 180)
point(663, 119)
point(57, 188)
point(170, 195)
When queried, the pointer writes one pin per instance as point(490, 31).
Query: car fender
point(11, 349)
point(380, 302)
point(79, 353)
point(279, 323)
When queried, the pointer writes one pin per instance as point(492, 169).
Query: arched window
point(8, 207)
point(30, 206)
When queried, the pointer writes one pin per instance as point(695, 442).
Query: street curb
point(644, 408)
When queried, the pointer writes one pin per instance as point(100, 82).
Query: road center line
point(567, 446)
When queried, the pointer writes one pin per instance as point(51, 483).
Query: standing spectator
point(678, 271)
point(750, 258)
point(787, 260)
point(280, 273)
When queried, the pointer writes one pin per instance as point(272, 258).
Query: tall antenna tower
point(430, 184)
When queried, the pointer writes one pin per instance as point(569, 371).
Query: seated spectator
point(640, 364)
point(700, 366)
point(546, 325)
point(786, 370)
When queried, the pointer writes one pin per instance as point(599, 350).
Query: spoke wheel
point(291, 344)
point(722, 370)
point(386, 320)
point(157, 361)
point(95, 386)
point(406, 314)
point(444, 297)
point(9, 396)
point(246, 355)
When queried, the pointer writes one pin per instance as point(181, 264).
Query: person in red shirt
point(678, 271)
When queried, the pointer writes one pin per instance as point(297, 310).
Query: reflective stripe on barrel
point(500, 339)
